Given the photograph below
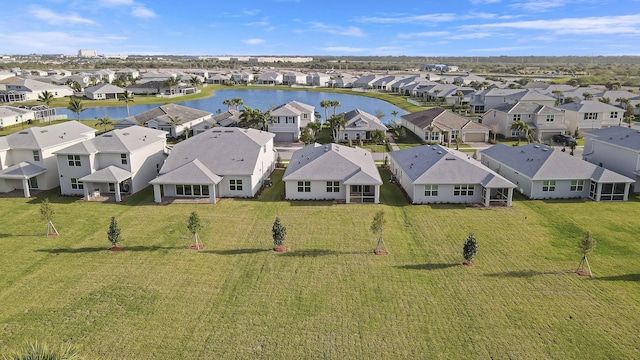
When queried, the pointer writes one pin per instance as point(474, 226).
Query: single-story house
point(432, 174)
point(103, 92)
point(172, 118)
point(220, 162)
point(615, 148)
point(332, 172)
point(542, 172)
point(439, 126)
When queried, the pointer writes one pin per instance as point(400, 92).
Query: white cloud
point(483, 2)
point(626, 24)
point(253, 41)
point(426, 34)
point(142, 12)
point(503, 49)
point(115, 3)
point(251, 12)
point(337, 30)
point(51, 41)
point(54, 18)
point(539, 5)
point(426, 18)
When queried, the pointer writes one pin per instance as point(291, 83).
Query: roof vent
point(536, 146)
point(439, 152)
point(433, 148)
point(545, 149)
point(125, 134)
point(44, 131)
point(108, 135)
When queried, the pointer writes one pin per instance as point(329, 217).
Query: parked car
point(566, 140)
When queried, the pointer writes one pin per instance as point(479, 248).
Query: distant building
point(87, 53)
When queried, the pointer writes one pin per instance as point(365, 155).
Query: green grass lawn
point(329, 296)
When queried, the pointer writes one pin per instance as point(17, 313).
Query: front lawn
point(329, 296)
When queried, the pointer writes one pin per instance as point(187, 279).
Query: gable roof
point(434, 164)
point(48, 136)
point(442, 119)
point(527, 108)
point(359, 119)
point(541, 162)
point(194, 170)
point(333, 162)
point(105, 89)
point(617, 135)
point(164, 112)
point(586, 106)
point(292, 108)
point(224, 151)
point(118, 141)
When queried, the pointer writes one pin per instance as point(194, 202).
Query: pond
point(257, 99)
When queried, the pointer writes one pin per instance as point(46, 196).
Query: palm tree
point(262, 118)
point(235, 102)
point(46, 97)
point(171, 83)
point(247, 117)
point(605, 100)
point(127, 97)
point(76, 105)
point(335, 123)
point(104, 121)
point(335, 104)
point(522, 128)
point(587, 95)
point(195, 81)
point(326, 104)
point(315, 127)
point(394, 113)
point(623, 102)
point(174, 121)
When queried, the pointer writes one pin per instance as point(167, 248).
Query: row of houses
point(235, 162)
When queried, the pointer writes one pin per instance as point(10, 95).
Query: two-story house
point(27, 160)
point(591, 114)
point(288, 119)
point(119, 162)
point(544, 120)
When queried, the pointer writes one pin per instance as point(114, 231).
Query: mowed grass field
point(329, 296)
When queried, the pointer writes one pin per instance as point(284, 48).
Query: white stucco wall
point(318, 191)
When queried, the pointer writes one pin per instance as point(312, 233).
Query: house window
point(611, 191)
point(305, 116)
point(77, 185)
point(577, 185)
point(431, 190)
point(591, 116)
point(361, 189)
point(515, 133)
point(235, 185)
point(304, 186)
point(333, 186)
point(36, 155)
point(455, 134)
point(463, 190)
point(346, 136)
point(290, 120)
point(549, 185)
point(516, 117)
point(614, 115)
point(123, 159)
point(74, 160)
point(435, 136)
point(549, 118)
point(264, 149)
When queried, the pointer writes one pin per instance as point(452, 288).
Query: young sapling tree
point(46, 213)
point(194, 225)
point(470, 250)
point(278, 232)
point(377, 228)
point(114, 234)
point(586, 245)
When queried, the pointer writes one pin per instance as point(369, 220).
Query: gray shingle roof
point(49, 136)
point(195, 171)
point(224, 151)
point(589, 106)
point(110, 174)
point(442, 119)
point(617, 135)
point(117, 141)
point(541, 162)
point(162, 113)
point(359, 119)
point(333, 162)
point(434, 164)
point(23, 170)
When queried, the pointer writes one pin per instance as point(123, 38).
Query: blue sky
point(322, 27)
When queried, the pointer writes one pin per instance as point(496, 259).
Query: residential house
point(241, 77)
point(119, 162)
point(615, 148)
point(591, 114)
point(27, 89)
point(27, 160)
point(318, 79)
point(544, 120)
point(332, 172)
point(541, 172)
point(294, 78)
point(288, 120)
point(359, 126)
point(227, 118)
point(103, 92)
point(128, 73)
point(437, 125)
point(366, 81)
point(11, 115)
point(218, 78)
point(432, 174)
point(221, 162)
point(485, 100)
point(342, 81)
point(270, 78)
point(172, 118)
point(105, 75)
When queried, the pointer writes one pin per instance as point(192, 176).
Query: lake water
point(257, 99)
